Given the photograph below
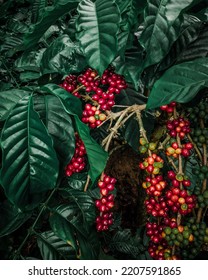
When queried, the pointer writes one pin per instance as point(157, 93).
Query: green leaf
point(72, 103)
point(129, 10)
point(77, 181)
point(9, 99)
point(196, 49)
point(11, 218)
point(89, 246)
point(191, 31)
point(158, 34)
point(130, 66)
point(10, 45)
point(63, 56)
point(37, 10)
point(124, 242)
point(173, 8)
point(59, 125)
point(29, 162)
point(4, 7)
point(53, 248)
point(49, 16)
point(180, 83)
point(97, 157)
point(79, 211)
point(30, 60)
point(28, 76)
point(64, 230)
point(97, 27)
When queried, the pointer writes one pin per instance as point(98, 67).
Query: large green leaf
point(72, 103)
point(97, 27)
point(64, 230)
point(158, 34)
point(59, 125)
point(53, 248)
point(11, 218)
point(30, 60)
point(89, 246)
point(79, 211)
point(37, 10)
point(49, 16)
point(63, 56)
point(97, 157)
point(130, 66)
point(124, 242)
point(197, 49)
point(129, 10)
point(180, 83)
point(9, 99)
point(173, 8)
point(29, 162)
point(190, 32)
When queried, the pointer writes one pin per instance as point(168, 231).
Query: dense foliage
point(104, 132)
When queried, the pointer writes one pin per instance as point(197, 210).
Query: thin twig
point(87, 183)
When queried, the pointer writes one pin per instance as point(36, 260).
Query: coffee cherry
point(105, 203)
point(178, 127)
point(78, 162)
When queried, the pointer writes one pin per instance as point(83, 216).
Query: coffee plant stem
point(108, 139)
point(87, 183)
point(180, 165)
point(141, 127)
point(132, 109)
point(31, 229)
point(195, 147)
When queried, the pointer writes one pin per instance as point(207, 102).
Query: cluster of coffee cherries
point(200, 111)
point(101, 91)
point(179, 236)
point(202, 199)
point(169, 108)
point(78, 162)
point(152, 164)
point(92, 115)
point(200, 136)
point(176, 179)
point(200, 236)
point(70, 84)
point(174, 150)
point(179, 127)
point(158, 248)
point(156, 206)
point(106, 202)
point(170, 198)
point(154, 186)
point(145, 145)
point(180, 201)
point(154, 231)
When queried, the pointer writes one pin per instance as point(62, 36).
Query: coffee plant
point(103, 129)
